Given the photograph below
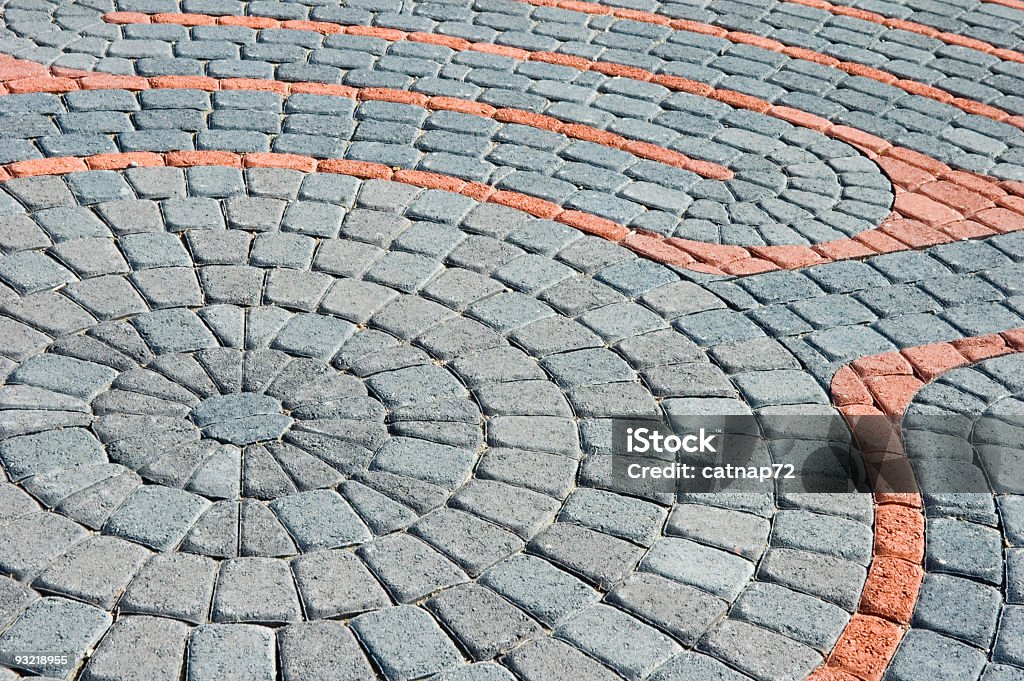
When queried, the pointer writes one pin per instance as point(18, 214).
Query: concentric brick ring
point(256, 432)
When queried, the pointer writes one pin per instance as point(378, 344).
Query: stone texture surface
point(338, 421)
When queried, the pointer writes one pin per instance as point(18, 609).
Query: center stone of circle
point(241, 418)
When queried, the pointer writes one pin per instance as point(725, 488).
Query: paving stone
point(800, 617)
point(321, 651)
point(927, 651)
point(55, 624)
point(258, 590)
point(957, 607)
point(622, 642)
point(543, 591)
point(683, 611)
point(95, 571)
point(598, 557)
point(320, 519)
point(630, 519)
point(231, 651)
point(520, 510)
point(722, 574)
point(831, 579)
point(406, 643)
point(172, 585)
point(335, 583)
point(157, 517)
point(741, 533)
point(1007, 645)
point(761, 653)
point(485, 624)
point(409, 568)
point(964, 548)
point(548, 659)
point(48, 451)
point(813, 532)
point(696, 667)
point(157, 646)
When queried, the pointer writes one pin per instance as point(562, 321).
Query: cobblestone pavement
point(313, 316)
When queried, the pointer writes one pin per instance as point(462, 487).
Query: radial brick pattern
point(313, 317)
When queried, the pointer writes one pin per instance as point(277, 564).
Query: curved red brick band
point(15, 84)
point(934, 203)
point(853, 68)
point(1012, 4)
point(913, 27)
point(641, 243)
point(459, 44)
point(880, 387)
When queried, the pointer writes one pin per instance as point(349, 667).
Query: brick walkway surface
point(313, 316)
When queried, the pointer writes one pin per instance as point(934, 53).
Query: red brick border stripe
point(884, 385)
point(1012, 4)
point(460, 44)
point(19, 80)
point(739, 37)
point(934, 203)
point(913, 27)
point(645, 244)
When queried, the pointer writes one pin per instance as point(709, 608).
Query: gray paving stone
point(783, 386)
point(600, 558)
point(959, 608)
point(545, 592)
point(927, 652)
point(831, 579)
point(800, 617)
point(722, 574)
point(696, 667)
point(964, 548)
point(95, 571)
point(1007, 647)
point(335, 583)
point(409, 568)
point(761, 653)
point(406, 643)
point(622, 642)
point(632, 519)
point(157, 517)
point(55, 624)
point(156, 645)
point(320, 651)
point(258, 590)
point(172, 585)
point(231, 652)
point(821, 534)
point(659, 348)
point(472, 543)
point(520, 510)
point(320, 519)
point(741, 533)
point(547, 659)
point(49, 451)
point(683, 611)
point(485, 624)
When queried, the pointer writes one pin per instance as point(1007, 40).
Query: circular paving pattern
point(313, 318)
point(403, 406)
point(968, 616)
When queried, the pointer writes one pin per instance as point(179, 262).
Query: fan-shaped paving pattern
point(968, 618)
point(232, 422)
